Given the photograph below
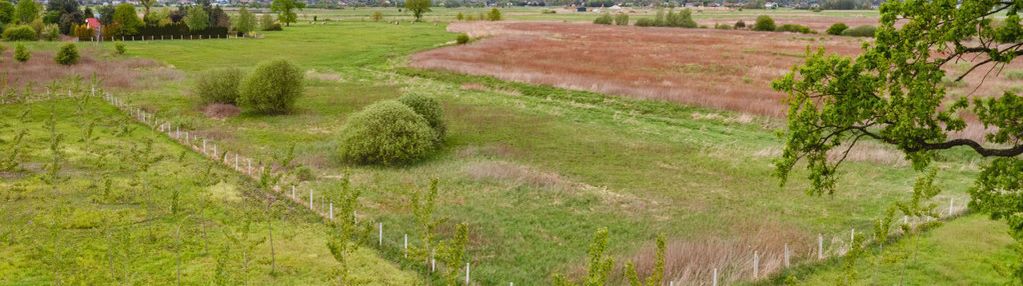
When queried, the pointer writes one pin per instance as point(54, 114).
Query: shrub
point(462, 39)
point(120, 49)
point(722, 26)
point(795, 28)
point(218, 86)
point(860, 31)
point(50, 32)
point(83, 32)
point(494, 15)
point(67, 55)
point(604, 19)
point(740, 25)
point(272, 87)
point(21, 53)
point(1012, 74)
point(377, 16)
point(837, 29)
point(20, 33)
point(386, 133)
point(266, 23)
point(460, 16)
point(622, 19)
point(764, 23)
point(429, 109)
point(645, 22)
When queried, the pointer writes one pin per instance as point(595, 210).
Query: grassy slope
point(643, 170)
point(966, 251)
point(83, 236)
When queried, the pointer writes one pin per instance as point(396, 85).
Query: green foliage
point(722, 26)
point(21, 53)
point(51, 32)
point(423, 207)
point(604, 19)
point(218, 85)
point(740, 25)
point(600, 264)
point(682, 19)
point(377, 16)
point(246, 21)
point(67, 55)
point(345, 230)
point(272, 87)
point(764, 23)
point(197, 18)
point(429, 109)
point(837, 29)
point(494, 15)
point(860, 31)
point(127, 19)
point(20, 33)
point(795, 28)
point(622, 19)
point(266, 23)
point(895, 93)
point(655, 278)
point(452, 253)
point(462, 39)
point(27, 11)
point(285, 10)
point(6, 13)
point(120, 49)
point(418, 7)
point(386, 133)
point(460, 16)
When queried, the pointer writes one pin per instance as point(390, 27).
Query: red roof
point(92, 23)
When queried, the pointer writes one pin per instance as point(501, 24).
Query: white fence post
point(380, 234)
point(406, 245)
point(820, 246)
point(786, 255)
point(951, 206)
point(466, 274)
point(756, 265)
point(715, 279)
point(311, 199)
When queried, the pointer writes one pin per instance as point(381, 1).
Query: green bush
point(682, 19)
point(860, 31)
point(50, 32)
point(67, 55)
point(218, 86)
point(764, 23)
point(271, 88)
point(645, 22)
point(21, 53)
point(837, 29)
point(740, 24)
point(494, 15)
point(386, 133)
point(722, 26)
point(462, 39)
point(20, 33)
point(120, 49)
point(429, 109)
point(622, 19)
point(795, 29)
point(604, 19)
point(1012, 74)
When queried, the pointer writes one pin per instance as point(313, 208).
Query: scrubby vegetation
point(20, 33)
point(21, 53)
point(218, 86)
point(764, 23)
point(836, 29)
point(682, 19)
point(795, 28)
point(120, 49)
point(860, 31)
point(272, 87)
point(462, 39)
point(604, 19)
point(429, 109)
point(67, 55)
point(622, 19)
point(386, 133)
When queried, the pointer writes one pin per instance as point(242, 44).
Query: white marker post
point(820, 246)
point(467, 274)
point(951, 206)
point(786, 255)
point(293, 193)
point(331, 210)
point(406, 245)
point(380, 234)
point(756, 264)
point(715, 281)
point(311, 199)
point(204, 146)
point(852, 235)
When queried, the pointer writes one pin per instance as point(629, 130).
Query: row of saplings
point(390, 132)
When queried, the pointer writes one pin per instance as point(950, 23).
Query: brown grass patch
point(221, 111)
point(513, 173)
point(41, 69)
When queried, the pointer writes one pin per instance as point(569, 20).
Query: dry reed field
point(713, 68)
point(116, 73)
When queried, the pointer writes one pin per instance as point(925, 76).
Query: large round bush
point(764, 23)
point(837, 29)
point(272, 88)
point(67, 55)
point(218, 86)
point(429, 109)
point(20, 33)
point(386, 133)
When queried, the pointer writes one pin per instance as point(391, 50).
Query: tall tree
point(67, 14)
point(146, 5)
point(197, 19)
point(6, 12)
point(246, 21)
point(26, 11)
point(418, 7)
point(285, 10)
point(127, 18)
point(895, 93)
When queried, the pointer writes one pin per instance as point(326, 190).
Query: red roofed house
point(93, 24)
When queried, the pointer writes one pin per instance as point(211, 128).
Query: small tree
point(266, 23)
point(344, 230)
point(764, 23)
point(21, 53)
point(418, 7)
point(67, 55)
point(377, 16)
point(246, 21)
point(655, 278)
point(453, 253)
point(6, 12)
point(600, 264)
point(127, 19)
point(272, 87)
point(460, 16)
point(494, 15)
point(285, 10)
point(120, 49)
point(197, 19)
point(26, 11)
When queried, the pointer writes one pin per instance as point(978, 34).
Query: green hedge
point(20, 33)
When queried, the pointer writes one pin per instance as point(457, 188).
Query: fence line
point(209, 149)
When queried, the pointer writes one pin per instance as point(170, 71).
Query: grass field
point(106, 217)
point(535, 170)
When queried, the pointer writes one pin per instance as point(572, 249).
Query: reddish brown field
point(712, 68)
point(116, 72)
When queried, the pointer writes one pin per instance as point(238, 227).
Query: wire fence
point(747, 264)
